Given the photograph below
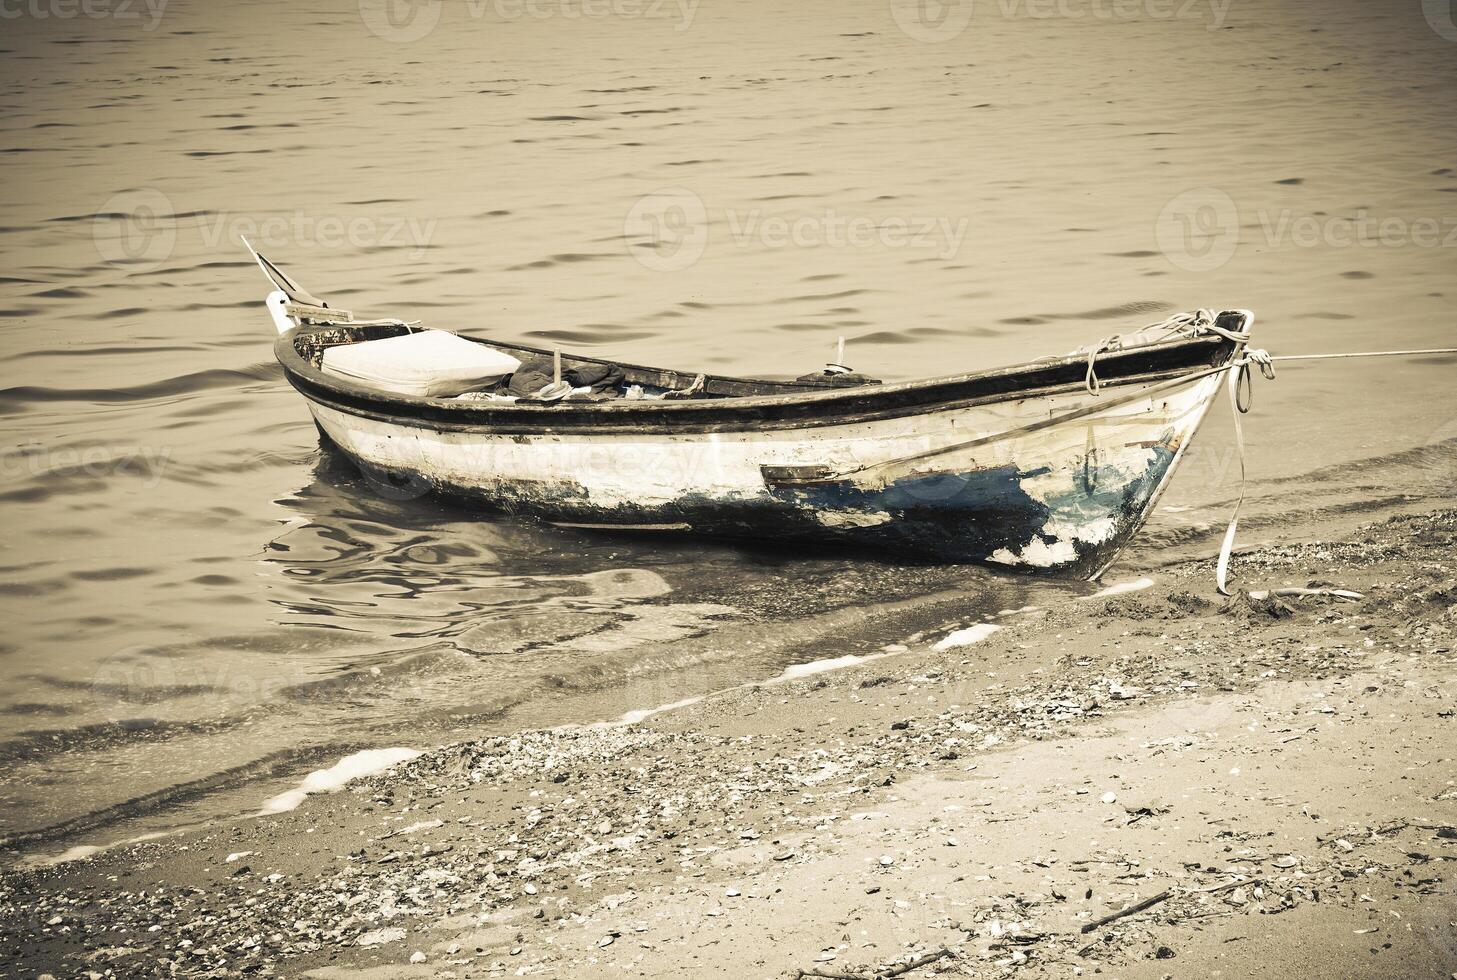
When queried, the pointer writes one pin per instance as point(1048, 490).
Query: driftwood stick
point(1216, 890)
point(890, 971)
point(1133, 909)
point(1227, 886)
point(1161, 897)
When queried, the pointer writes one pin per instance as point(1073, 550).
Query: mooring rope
point(1239, 381)
point(1363, 353)
point(1193, 324)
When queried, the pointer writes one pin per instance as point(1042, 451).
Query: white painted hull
point(1065, 497)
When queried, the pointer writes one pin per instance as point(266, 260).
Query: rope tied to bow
point(1195, 323)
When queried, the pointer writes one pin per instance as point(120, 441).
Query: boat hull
point(1064, 497)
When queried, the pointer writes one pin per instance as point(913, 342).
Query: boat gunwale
point(508, 429)
point(813, 408)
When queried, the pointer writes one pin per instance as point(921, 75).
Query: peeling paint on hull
point(1064, 498)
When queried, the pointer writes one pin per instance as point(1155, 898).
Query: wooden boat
point(1051, 465)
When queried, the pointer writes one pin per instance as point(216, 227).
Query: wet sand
point(1278, 773)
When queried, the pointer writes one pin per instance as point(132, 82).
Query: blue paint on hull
point(966, 516)
point(941, 517)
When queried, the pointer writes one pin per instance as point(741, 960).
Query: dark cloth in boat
point(599, 377)
point(534, 375)
point(529, 378)
point(839, 379)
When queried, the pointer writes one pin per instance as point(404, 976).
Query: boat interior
point(312, 343)
point(309, 329)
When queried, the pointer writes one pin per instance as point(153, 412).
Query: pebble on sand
point(380, 937)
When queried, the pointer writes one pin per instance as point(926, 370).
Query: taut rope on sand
point(1240, 398)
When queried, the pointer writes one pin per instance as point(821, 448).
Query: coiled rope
point(1192, 324)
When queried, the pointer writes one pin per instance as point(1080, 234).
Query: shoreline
point(925, 603)
point(359, 762)
point(932, 798)
point(955, 638)
point(710, 653)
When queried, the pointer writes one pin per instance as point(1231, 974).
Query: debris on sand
point(951, 798)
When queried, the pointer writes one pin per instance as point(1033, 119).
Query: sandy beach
point(1271, 777)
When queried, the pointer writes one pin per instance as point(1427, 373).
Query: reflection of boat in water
point(1049, 465)
point(390, 575)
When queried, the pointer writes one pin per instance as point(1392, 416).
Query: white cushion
point(431, 363)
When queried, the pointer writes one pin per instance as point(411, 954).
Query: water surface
point(197, 598)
